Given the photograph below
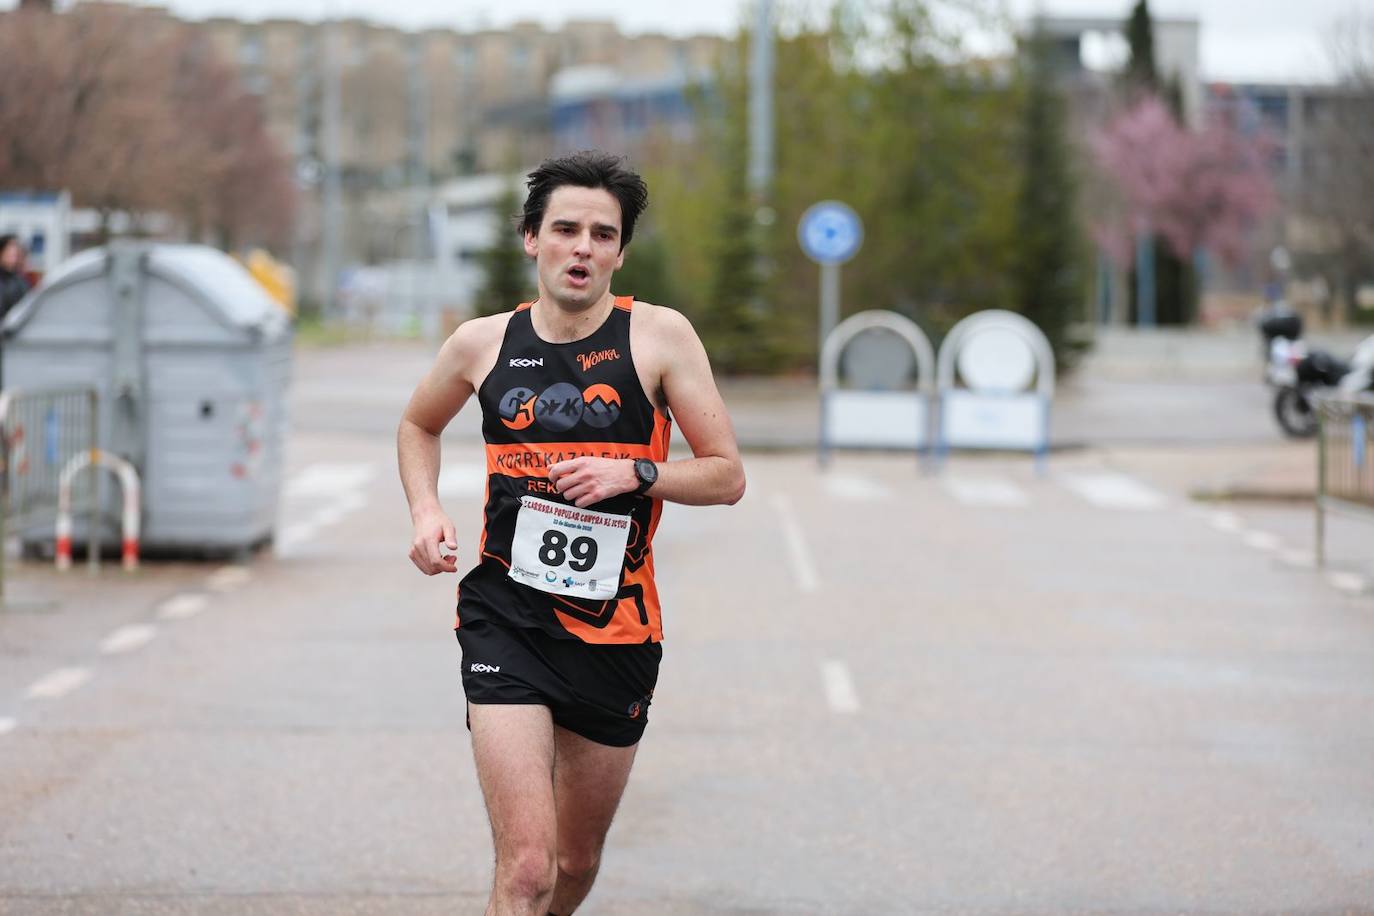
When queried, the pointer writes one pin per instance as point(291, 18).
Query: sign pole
point(830, 301)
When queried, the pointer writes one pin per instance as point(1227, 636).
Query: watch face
point(647, 470)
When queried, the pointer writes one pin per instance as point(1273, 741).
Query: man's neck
point(556, 324)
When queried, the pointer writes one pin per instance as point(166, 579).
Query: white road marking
point(292, 535)
point(1110, 490)
point(227, 578)
point(128, 638)
point(1225, 521)
point(7, 725)
point(179, 607)
point(462, 480)
point(839, 687)
point(803, 566)
point(325, 518)
point(57, 683)
point(1346, 582)
point(853, 488)
point(986, 491)
point(351, 501)
point(1263, 540)
point(1300, 558)
point(329, 479)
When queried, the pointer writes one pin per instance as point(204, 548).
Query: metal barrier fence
point(40, 433)
point(1345, 460)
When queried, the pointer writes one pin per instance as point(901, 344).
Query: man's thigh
point(513, 746)
point(589, 780)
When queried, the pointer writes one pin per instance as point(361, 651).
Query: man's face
point(577, 248)
point(10, 257)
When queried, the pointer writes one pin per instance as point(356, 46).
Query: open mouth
point(579, 274)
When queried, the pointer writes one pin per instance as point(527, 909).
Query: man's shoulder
point(481, 329)
point(470, 344)
point(660, 320)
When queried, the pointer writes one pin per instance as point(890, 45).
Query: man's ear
point(620, 259)
point(531, 244)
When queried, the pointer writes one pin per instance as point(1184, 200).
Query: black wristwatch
point(647, 472)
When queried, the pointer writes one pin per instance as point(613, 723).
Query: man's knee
point(527, 872)
point(579, 864)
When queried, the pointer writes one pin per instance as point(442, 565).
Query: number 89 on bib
point(564, 550)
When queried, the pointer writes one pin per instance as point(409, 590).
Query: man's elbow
point(736, 492)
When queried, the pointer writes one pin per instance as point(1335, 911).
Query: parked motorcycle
point(1296, 372)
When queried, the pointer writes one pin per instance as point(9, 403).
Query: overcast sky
point(1277, 40)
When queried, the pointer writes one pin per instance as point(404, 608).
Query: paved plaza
point(884, 691)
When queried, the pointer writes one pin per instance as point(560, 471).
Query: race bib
point(565, 550)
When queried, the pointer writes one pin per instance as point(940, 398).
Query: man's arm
point(714, 474)
point(438, 398)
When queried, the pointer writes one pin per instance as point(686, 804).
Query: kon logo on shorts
point(479, 668)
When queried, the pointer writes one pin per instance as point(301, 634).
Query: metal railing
point(1345, 460)
point(40, 432)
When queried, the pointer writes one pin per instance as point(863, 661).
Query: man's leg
point(588, 780)
point(513, 746)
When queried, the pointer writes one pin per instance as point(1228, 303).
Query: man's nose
point(582, 245)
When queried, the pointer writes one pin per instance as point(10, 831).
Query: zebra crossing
point(1101, 489)
point(318, 497)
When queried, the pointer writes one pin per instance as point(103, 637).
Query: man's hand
point(434, 550)
point(590, 480)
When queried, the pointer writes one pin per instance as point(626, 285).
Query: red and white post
point(129, 484)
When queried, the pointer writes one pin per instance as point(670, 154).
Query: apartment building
point(417, 109)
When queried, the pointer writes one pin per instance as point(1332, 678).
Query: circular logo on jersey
point(559, 408)
point(634, 710)
point(517, 408)
point(602, 406)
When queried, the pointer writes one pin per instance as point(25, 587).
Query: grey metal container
point(191, 359)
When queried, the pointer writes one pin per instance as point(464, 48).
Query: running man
point(559, 620)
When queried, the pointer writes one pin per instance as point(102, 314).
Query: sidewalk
point(1221, 430)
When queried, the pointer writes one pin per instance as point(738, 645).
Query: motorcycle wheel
point(1294, 412)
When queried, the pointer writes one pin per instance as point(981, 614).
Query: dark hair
point(587, 169)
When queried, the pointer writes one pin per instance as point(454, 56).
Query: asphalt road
point(883, 692)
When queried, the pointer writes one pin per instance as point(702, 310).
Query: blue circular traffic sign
point(830, 232)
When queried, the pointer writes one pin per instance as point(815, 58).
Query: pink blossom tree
point(1198, 190)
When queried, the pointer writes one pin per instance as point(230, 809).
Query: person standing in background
point(13, 286)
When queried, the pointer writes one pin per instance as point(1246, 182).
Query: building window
point(520, 62)
point(464, 59)
point(251, 51)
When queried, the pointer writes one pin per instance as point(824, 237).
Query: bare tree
point(122, 107)
point(1337, 198)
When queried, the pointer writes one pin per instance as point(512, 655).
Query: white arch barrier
point(996, 352)
point(876, 419)
point(128, 479)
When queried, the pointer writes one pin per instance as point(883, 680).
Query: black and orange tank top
point(585, 574)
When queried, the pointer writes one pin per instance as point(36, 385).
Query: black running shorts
point(601, 692)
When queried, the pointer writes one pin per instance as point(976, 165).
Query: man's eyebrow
point(596, 227)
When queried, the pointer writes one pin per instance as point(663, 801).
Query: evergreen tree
point(1141, 74)
point(645, 273)
point(505, 264)
point(731, 323)
point(1049, 277)
point(1175, 281)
